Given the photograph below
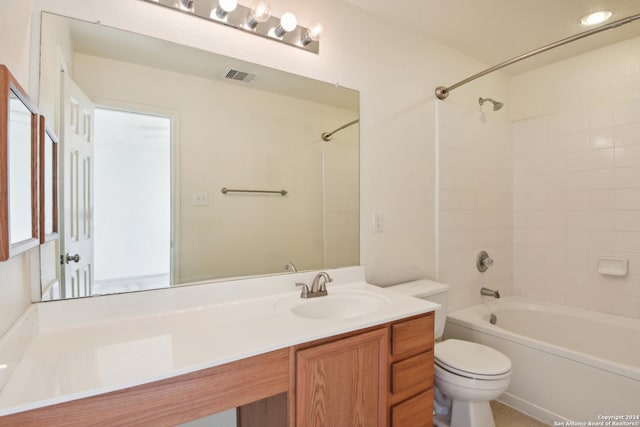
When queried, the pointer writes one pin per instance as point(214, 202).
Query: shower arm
point(326, 136)
point(442, 92)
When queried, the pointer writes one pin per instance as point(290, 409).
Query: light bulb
point(260, 12)
point(224, 7)
point(595, 18)
point(228, 5)
point(288, 22)
point(313, 34)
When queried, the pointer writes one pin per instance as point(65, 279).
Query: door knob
point(74, 258)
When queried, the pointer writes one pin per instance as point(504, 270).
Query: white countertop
point(86, 347)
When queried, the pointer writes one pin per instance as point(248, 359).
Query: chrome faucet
point(489, 292)
point(318, 286)
point(290, 266)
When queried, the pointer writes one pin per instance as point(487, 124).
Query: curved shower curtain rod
point(326, 136)
point(442, 91)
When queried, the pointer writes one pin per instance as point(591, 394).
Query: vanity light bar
point(255, 19)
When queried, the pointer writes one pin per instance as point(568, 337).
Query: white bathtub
point(568, 363)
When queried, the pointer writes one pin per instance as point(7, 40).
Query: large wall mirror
point(150, 132)
point(18, 163)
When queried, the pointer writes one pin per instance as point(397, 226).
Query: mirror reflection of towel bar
point(226, 190)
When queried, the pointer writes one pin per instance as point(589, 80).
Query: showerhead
point(496, 104)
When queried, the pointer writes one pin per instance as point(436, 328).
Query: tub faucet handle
point(483, 261)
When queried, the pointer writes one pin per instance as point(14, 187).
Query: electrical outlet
point(378, 222)
point(200, 199)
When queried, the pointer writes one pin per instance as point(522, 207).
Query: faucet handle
point(483, 261)
point(305, 290)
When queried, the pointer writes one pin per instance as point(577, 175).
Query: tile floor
point(505, 416)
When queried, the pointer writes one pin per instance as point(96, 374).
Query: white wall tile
point(626, 113)
point(476, 198)
point(578, 200)
point(601, 158)
point(568, 122)
point(601, 240)
point(577, 257)
point(591, 208)
point(627, 241)
point(628, 220)
point(601, 220)
point(600, 179)
point(600, 117)
point(628, 134)
point(578, 239)
point(627, 199)
point(627, 177)
point(627, 156)
point(601, 199)
point(578, 161)
point(601, 138)
point(557, 201)
point(578, 220)
point(577, 141)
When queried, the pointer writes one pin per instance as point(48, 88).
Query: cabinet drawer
point(415, 373)
point(415, 412)
point(412, 336)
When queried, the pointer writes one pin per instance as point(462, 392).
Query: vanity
point(361, 353)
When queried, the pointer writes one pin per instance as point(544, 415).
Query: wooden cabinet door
point(344, 382)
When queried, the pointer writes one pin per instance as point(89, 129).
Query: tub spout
point(489, 292)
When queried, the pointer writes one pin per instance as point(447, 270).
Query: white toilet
point(466, 373)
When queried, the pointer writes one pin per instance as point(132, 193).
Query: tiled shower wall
point(475, 201)
point(577, 198)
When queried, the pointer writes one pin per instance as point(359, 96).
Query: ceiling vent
point(240, 76)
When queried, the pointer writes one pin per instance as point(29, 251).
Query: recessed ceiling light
point(595, 18)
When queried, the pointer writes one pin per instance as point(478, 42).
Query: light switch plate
point(200, 199)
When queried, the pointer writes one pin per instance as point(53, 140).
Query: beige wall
point(15, 274)
point(577, 179)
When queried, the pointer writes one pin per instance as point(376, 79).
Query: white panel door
point(77, 191)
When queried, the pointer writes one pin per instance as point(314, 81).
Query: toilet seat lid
point(472, 359)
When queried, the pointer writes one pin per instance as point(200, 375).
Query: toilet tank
point(431, 291)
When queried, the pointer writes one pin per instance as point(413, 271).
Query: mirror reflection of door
point(76, 244)
point(132, 221)
point(117, 175)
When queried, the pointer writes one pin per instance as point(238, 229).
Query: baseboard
point(534, 411)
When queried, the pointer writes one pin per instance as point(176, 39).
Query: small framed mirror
point(48, 183)
point(19, 228)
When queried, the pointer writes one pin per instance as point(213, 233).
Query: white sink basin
point(336, 305)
